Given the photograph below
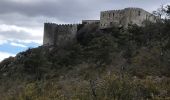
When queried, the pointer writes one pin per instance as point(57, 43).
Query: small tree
point(168, 10)
point(163, 11)
point(159, 12)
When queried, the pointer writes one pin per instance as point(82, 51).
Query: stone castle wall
point(65, 33)
point(55, 34)
point(125, 17)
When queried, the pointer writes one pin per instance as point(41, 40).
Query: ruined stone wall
point(125, 17)
point(55, 34)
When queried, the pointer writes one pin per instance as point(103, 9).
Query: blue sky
point(21, 21)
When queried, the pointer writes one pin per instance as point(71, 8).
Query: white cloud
point(18, 45)
point(32, 1)
point(34, 32)
point(30, 41)
point(22, 34)
point(3, 42)
point(23, 1)
point(4, 55)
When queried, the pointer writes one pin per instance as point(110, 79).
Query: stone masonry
point(124, 17)
point(55, 34)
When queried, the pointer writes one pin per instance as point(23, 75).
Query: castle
point(55, 34)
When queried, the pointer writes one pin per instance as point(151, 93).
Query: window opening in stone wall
point(139, 13)
point(111, 23)
point(109, 14)
point(146, 17)
point(103, 14)
point(113, 14)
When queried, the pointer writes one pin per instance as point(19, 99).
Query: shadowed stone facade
point(55, 34)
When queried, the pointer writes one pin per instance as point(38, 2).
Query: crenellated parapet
point(60, 25)
point(50, 23)
point(108, 11)
point(67, 25)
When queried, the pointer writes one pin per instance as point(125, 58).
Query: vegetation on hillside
point(110, 64)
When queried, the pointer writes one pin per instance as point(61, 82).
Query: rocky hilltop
point(109, 64)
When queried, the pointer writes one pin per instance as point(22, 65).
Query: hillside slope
point(111, 64)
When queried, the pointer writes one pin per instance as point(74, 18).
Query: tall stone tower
point(55, 34)
point(49, 32)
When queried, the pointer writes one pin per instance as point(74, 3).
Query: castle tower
point(55, 34)
point(49, 32)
